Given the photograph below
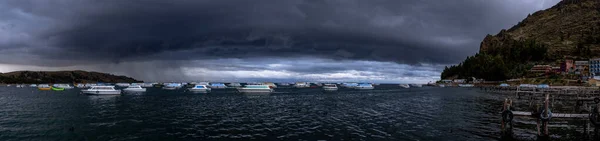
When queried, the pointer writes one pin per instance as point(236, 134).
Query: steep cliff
point(569, 29)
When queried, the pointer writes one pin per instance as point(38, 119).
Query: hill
point(36, 77)
point(570, 29)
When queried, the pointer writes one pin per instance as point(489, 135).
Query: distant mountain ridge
point(78, 76)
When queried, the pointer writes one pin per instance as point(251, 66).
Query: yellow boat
point(44, 87)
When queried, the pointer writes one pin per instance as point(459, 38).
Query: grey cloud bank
point(415, 33)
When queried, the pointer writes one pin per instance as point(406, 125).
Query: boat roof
point(200, 86)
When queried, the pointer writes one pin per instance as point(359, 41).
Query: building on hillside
point(582, 68)
point(446, 81)
point(556, 70)
point(541, 69)
point(594, 67)
point(567, 66)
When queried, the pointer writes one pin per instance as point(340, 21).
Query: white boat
point(90, 85)
point(234, 85)
point(123, 84)
point(80, 85)
point(416, 85)
point(64, 86)
point(217, 86)
point(466, 85)
point(101, 90)
point(317, 84)
point(441, 85)
point(255, 89)
point(134, 88)
point(504, 85)
point(301, 85)
point(404, 86)
point(364, 86)
point(172, 86)
point(33, 85)
point(330, 87)
point(349, 85)
point(271, 85)
point(199, 89)
point(284, 84)
point(147, 85)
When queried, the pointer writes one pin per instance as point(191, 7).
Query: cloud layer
point(77, 32)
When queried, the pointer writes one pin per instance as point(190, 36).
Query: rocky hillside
point(36, 77)
point(569, 29)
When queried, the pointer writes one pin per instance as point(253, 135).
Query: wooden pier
point(554, 115)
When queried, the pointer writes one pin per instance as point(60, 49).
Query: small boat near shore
point(123, 85)
point(64, 86)
point(217, 86)
point(172, 86)
point(404, 86)
point(234, 85)
point(57, 89)
point(271, 85)
point(364, 86)
point(134, 88)
point(44, 87)
point(199, 89)
point(255, 89)
point(349, 85)
point(101, 90)
point(301, 85)
point(330, 87)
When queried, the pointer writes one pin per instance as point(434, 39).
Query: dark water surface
point(289, 114)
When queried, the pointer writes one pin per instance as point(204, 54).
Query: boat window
point(200, 87)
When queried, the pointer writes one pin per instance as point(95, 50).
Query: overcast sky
point(400, 41)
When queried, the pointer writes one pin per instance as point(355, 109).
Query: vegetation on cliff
point(37, 77)
point(499, 64)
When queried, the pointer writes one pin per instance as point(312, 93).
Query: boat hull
point(330, 88)
point(134, 90)
point(115, 92)
point(255, 90)
point(364, 88)
point(169, 88)
point(45, 89)
point(199, 90)
point(57, 89)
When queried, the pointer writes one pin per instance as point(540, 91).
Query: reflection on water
point(390, 113)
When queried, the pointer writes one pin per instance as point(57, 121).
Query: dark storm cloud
point(403, 31)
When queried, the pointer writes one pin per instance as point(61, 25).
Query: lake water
point(387, 113)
